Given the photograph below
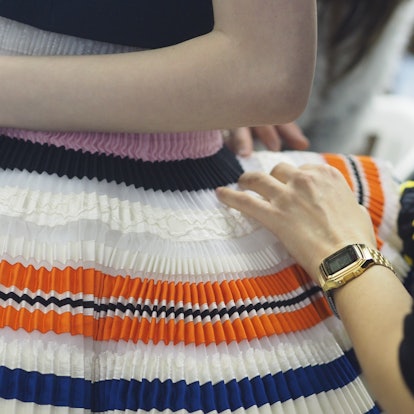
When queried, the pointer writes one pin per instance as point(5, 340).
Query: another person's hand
point(311, 209)
point(273, 137)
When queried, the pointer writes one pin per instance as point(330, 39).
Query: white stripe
point(266, 160)
point(60, 310)
point(194, 200)
point(198, 200)
point(52, 210)
point(82, 358)
point(339, 402)
point(257, 254)
point(19, 407)
point(391, 191)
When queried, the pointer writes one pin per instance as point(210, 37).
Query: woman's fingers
point(269, 186)
point(240, 141)
point(292, 136)
point(284, 172)
point(269, 136)
point(252, 206)
point(314, 201)
point(261, 183)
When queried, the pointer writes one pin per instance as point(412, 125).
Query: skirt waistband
point(218, 169)
point(146, 147)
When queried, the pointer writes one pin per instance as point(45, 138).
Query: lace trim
point(52, 210)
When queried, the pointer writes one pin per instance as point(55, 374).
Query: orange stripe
point(376, 199)
point(199, 295)
point(193, 295)
point(46, 322)
point(338, 161)
point(372, 178)
point(94, 282)
point(127, 329)
point(67, 280)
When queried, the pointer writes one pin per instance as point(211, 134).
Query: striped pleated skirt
point(126, 287)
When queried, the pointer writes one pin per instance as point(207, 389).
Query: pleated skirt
point(126, 287)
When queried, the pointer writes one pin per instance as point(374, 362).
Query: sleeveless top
point(140, 23)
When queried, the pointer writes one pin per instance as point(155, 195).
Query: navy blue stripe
point(142, 310)
point(219, 169)
point(360, 187)
point(44, 389)
point(141, 23)
point(147, 395)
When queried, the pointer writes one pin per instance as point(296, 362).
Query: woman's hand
point(311, 209)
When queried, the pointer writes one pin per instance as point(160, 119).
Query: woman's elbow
point(283, 101)
point(289, 87)
point(294, 103)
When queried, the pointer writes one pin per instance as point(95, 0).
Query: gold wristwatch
point(346, 264)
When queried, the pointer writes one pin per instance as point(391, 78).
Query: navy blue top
point(141, 23)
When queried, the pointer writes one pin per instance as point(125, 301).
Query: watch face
point(340, 260)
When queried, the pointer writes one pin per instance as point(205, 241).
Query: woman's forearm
point(255, 67)
point(372, 308)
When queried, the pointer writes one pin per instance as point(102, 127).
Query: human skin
point(272, 137)
point(255, 67)
point(305, 208)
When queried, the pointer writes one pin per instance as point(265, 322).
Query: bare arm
point(306, 208)
point(373, 310)
point(260, 53)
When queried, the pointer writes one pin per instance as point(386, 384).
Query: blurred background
point(387, 128)
point(362, 97)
